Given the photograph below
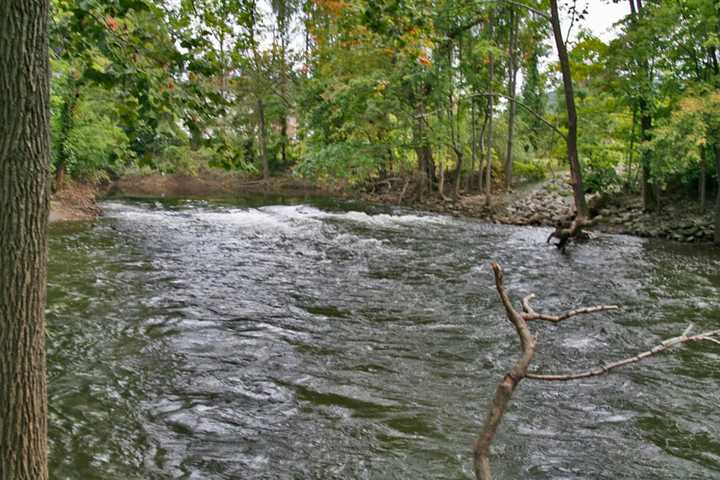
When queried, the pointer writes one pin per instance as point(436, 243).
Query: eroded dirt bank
point(74, 203)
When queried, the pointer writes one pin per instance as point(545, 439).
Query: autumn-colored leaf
point(112, 23)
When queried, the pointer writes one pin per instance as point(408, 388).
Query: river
point(266, 340)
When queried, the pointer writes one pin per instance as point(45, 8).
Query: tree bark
point(572, 151)
point(263, 140)
point(24, 199)
point(512, 80)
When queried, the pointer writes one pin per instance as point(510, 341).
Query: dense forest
point(463, 96)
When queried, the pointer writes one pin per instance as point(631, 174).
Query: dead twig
point(596, 372)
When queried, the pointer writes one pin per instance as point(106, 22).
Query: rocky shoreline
point(550, 202)
point(679, 221)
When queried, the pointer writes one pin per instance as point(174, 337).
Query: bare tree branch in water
point(528, 343)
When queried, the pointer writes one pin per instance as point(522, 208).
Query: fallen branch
point(504, 391)
point(596, 372)
point(528, 343)
point(530, 314)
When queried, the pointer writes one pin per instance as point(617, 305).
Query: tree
point(24, 196)
point(572, 150)
point(512, 83)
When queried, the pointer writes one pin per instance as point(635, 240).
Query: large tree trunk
point(572, 151)
point(24, 198)
point(512, 80)
point(263, 140)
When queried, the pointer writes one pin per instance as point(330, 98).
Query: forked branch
point(528, 342)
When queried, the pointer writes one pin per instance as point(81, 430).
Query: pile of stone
point(553, 201)
point(676, 223)
point(544, 206)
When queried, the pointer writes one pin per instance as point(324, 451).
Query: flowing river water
point(210, 340)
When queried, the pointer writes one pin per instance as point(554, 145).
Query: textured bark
point(572, 151)
point(24, 190)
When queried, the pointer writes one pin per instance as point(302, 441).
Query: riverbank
point(74, 203)
point(550, 201)
point(213, 184)
point(540, 204)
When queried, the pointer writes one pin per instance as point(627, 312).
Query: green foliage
point(341, 161)
point(532, 170)
point(376, 87)
point(93, 143)
point(601, 171)
point(678, 143)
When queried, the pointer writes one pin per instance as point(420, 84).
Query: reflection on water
point(198, 340)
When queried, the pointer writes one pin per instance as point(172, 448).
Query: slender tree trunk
point(423, 149)
point(646, 186)
point(702, 187)
point(284, 140)
point(441, 184)
point(473, 145)
point(630, 181)
point(491, 75)
point(512, 80)
point(24, 198)
point(481, 149)
point(572, 150)
point(717, 200)
point(263, 139)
